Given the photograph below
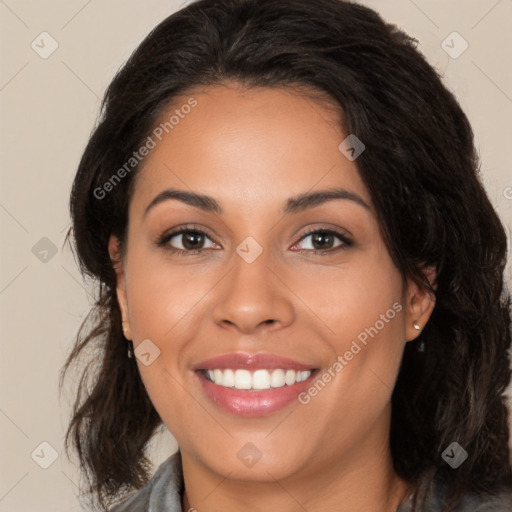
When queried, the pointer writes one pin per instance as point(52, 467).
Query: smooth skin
point(251, 150)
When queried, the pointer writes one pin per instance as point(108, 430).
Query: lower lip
point(252, 402)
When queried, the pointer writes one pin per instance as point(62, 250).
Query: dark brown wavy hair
point(422, 171)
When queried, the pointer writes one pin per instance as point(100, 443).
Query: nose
point(253, 297)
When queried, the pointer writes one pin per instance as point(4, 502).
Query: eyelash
point(164, 240)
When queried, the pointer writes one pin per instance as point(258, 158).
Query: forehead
point(247, 147)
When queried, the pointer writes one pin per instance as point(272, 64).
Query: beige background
point(48, 109)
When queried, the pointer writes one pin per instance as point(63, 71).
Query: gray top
point(164, 491)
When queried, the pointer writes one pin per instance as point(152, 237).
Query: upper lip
point(251, 361)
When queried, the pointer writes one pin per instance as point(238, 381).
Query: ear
point(117, 262)
point(419, 304)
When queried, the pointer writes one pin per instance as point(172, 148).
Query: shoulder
point(498, 503)
point(162, 493)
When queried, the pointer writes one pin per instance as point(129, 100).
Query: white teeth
point(259, 379)
point(290, 377)
point(217, 375)
point(277, 379)
point(228, 378)
point(243, 379)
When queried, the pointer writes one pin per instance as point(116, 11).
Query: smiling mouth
point(256, 380)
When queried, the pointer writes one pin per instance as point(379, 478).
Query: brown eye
point(192, 240)
point(323, 240)
point(189, 241)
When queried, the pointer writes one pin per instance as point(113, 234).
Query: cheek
point(165, 304)
point(364, 313)
point(161, 296)
point(361, 312)
point(164, 300)
point(363, 298)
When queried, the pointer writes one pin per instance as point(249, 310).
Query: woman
point(281, 204)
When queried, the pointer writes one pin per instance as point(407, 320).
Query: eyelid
point(163, 239)
point(338, 232)
point(330, 228)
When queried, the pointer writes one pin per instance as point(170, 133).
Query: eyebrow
point(294, 204)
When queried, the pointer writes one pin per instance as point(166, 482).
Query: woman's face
point(253, 289)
